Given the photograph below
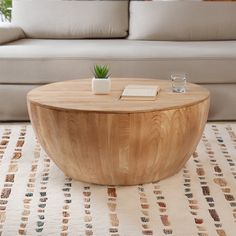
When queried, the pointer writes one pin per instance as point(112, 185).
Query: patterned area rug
point(37, 199)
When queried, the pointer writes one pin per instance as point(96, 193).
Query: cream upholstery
point(182, 20)
point(72, 19)
point(223, 101)
point(10, 32)
point(13, 101)
point(45, 61)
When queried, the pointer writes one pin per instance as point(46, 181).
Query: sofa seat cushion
point(37, 61)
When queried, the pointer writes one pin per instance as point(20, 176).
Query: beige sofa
point(54, 40)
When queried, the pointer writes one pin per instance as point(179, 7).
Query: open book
point(140, 92)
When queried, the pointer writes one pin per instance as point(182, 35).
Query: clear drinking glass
point(178, 82)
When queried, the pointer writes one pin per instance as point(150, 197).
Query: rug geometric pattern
point(37, 199)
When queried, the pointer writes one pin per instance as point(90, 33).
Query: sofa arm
point(10, 32)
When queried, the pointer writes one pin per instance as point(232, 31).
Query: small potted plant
point(101, 83)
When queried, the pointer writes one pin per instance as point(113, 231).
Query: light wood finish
point(101, 139)
point(77, 95)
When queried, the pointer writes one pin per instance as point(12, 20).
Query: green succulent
point(5, 9)
point(101, 72)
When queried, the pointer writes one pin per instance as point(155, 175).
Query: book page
point(140, 91)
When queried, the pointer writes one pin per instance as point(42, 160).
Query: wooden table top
point(77, 95)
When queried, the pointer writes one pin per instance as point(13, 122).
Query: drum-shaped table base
point(113, 148)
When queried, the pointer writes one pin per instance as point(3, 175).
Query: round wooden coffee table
point(104, 140)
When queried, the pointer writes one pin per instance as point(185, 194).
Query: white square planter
point(101, 86)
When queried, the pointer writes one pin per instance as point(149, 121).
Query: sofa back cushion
point(182, 20)
point(71, 19)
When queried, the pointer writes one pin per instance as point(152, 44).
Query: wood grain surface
point(77, 95)
point(118, 145)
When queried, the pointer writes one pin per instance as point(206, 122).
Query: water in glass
point(178, 83)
